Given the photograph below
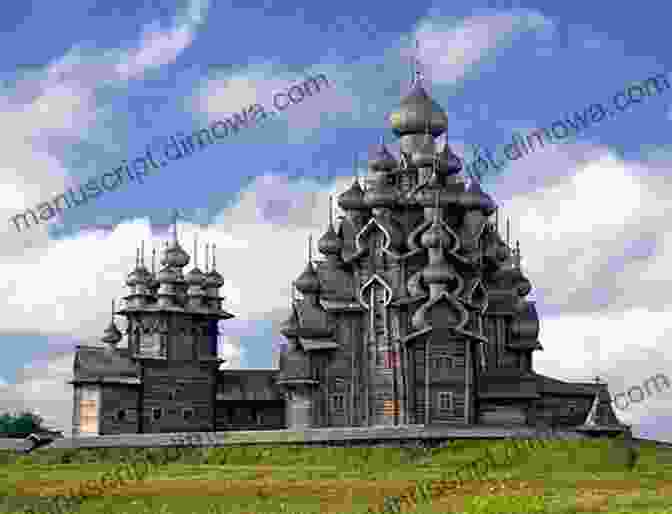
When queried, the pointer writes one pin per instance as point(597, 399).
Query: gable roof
point(99, 363)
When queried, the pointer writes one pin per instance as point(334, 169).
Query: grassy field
point(568, 477)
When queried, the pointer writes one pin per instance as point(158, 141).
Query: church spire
point(416, 74)
point(517, 259)
point(175, 226)
point(310, 249)
point(308, 282)
point(206, 257)
point(195, 250)
point(331, 211)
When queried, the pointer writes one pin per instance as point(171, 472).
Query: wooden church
point(417, 315)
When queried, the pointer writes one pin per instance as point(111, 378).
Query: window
point(444, 361)
point(157, 412)
point(172, 394)
point(121, 415)
point(445, 401)
point(391, 359)
point(338, 401)
point(187, 413)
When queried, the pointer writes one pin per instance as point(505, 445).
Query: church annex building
point(417, 315)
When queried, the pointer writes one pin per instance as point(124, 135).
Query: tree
point(21, 425)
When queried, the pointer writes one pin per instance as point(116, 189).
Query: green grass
point(268, 474)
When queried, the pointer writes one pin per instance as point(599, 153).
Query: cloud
point(449, 50)
point(596, 245)
point(597, 238)
point(223, 94)
point(48, 109)
point(159, 47)
point(42, 388)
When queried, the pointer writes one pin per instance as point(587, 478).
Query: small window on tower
point(445, 400)
point(187, 413)
point(157, 412)
point(338, 401)
point(121, 415)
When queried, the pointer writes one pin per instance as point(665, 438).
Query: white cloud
point(596, 245)
point(223, 95)
point(50, 108)
point(43, 389)
point(159, 47)
point(448, 51)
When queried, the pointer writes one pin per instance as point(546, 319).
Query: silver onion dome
point(112, 335)
point(380, 159)
point(195, 277)
point(416, 112)
point(175, 256)
point(352, 198)
point(448, 163)
point(290, 325)
point(168, 275)
point(308, 281)
point(435, 236)
point(330, 243)
point(214, 279)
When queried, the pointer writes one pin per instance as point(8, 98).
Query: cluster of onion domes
point(169, 287)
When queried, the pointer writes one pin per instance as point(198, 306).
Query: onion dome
point(152, 281)
point(423, 155)
point(330, 243)
point(435, 236)
point(140, 275)
point(111, 335)
point(308, 281)
point(353, 198)
point(380, 194)
point(168, 275)
point(381, 159)
point(175, 256)
point(475, 197)
point(195, 277)
point(289, 327)
point(448, 163)
point(213, 279)
point(416, 111)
